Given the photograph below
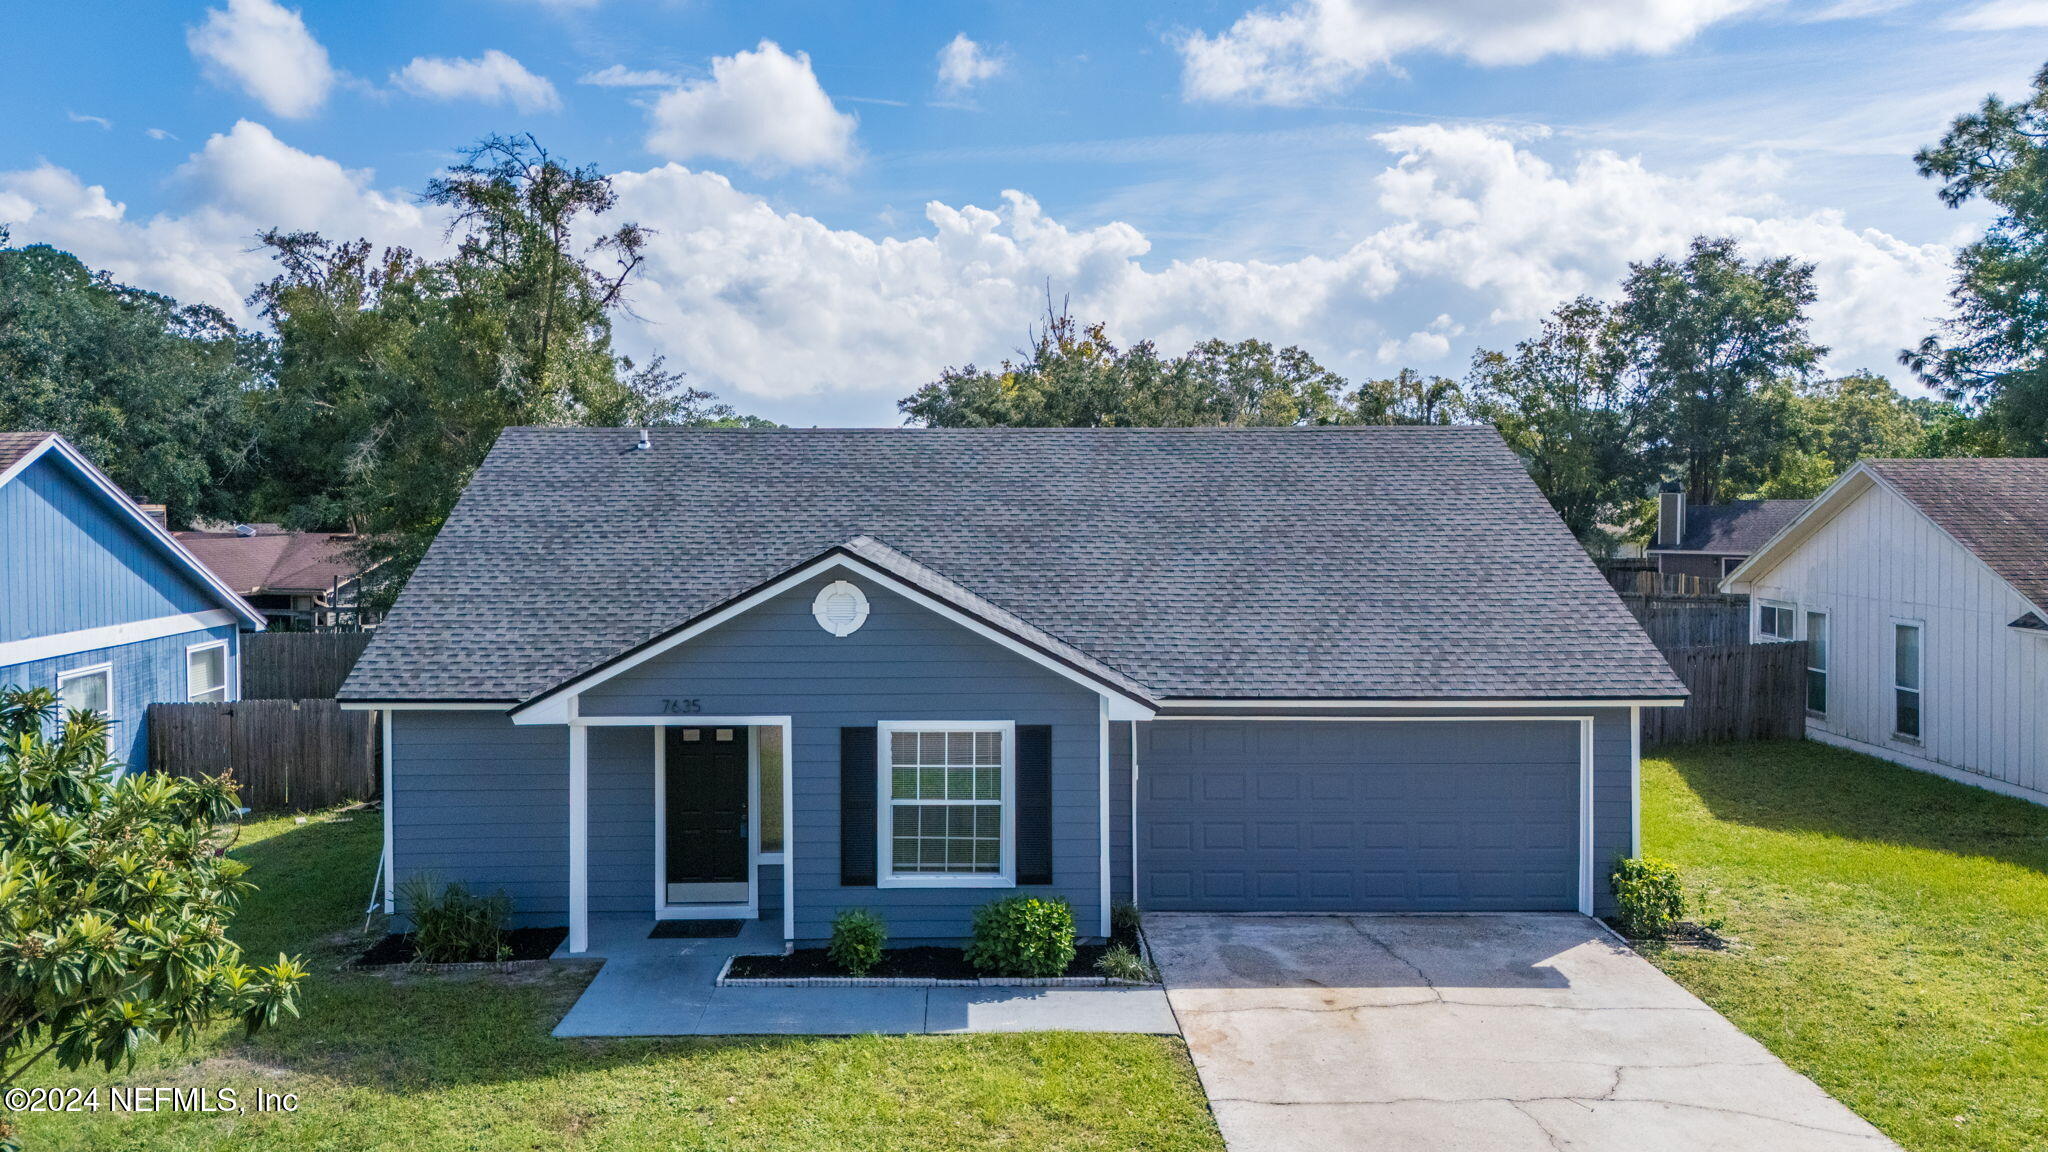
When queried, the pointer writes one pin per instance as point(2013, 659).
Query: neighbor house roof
point(270, 559)
point(1736, 528)
point(1380, 563)
point(20, 450)
point(1998, 509)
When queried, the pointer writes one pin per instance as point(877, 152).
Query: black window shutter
point(1034, 803)
point(858, 781)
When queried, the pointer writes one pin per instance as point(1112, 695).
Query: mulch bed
point(525, 943)
point(1683, 934)
point(928, 962)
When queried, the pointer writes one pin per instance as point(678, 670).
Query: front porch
point(651, 987)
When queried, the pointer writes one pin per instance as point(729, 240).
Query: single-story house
point(101, 604)
point(300, 581)
point(1921, 590)
point(1708, 541)
point(779, 673)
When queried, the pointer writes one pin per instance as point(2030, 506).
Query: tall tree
point(396, 374)
point(1408, 397)
point(1565, 402)
point(1718, 341)
point(1834, 423)
point(152, 390)
point(1994, 349)
point(1074, 376)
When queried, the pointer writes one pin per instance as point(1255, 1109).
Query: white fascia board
point(1445, 705)
point(555, 706)
point(142, 520)
point(1824, 508)
point(111, 636)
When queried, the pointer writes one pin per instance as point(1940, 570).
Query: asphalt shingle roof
point(1738, 527)
point(1998, 509)
point(1381, 562)
point(273, 559)
point(15, 445)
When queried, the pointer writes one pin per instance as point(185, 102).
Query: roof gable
point(21, 452)
point(1736, 528)
point(1342, 563)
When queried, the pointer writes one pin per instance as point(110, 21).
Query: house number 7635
point(682, 707)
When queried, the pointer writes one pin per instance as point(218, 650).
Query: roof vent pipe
point(643, 445)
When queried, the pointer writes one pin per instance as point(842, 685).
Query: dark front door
point(706, 815)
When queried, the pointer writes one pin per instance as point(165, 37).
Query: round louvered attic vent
point(840, 608)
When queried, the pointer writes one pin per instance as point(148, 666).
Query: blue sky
point(849, 197)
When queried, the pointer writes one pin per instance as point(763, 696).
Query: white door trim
point(711, 910)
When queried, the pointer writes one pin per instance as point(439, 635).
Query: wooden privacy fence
point(1739, 692)
point(298, 665)
point(1675, 622)
point(292, 754)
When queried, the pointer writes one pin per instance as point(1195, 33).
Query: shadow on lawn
point(1806, 786)
point(400, 1030)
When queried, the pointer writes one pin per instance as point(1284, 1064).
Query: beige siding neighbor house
point(1919, 586)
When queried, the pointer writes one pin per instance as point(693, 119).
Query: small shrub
point(1124, 921)
point(857, 939)
point(1120, 963)
point(1022, 936)
point(1705, 912)
point(1650, 895)
point(450, 925)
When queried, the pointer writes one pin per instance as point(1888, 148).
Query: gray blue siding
point(905, 663)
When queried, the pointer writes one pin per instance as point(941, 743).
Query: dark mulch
point(928, 962)
point(695, 929)
point(1683, 934)
point(525, 943)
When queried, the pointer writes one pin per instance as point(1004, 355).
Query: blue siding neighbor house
point(779, 673)
point(98, 602)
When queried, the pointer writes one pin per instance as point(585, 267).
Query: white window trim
point(104, 667)
point(1919, 692)
point(885, 876)
point(227, 673)
point(1758, 634)
point(1827, 672)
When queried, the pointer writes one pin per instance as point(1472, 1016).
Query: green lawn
point(1892, 928)
point(382, 1062)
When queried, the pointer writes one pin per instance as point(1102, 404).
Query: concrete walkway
point(666, 988)
point(1506, 1033)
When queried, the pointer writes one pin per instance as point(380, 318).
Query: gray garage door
point(1336, 816)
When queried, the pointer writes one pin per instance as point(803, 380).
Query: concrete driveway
point(1494, 1032)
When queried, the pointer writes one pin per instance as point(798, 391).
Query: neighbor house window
point(946, 797)
point(89, 690)
point(1906, 680)
point(1817, 663)
point(1776, 621)
point(206, 673)
point(1730, 564)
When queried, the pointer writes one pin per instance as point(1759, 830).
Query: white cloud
point(264, 49)
point(158, 134)
point(1431, 343)
point(764, 109)
point(620, 76)
point(963, 64)
point(1316, 47)
point(89, 118)
point(1465, 235)
point(2001, 16)
point(239, 183)
point(493, 78)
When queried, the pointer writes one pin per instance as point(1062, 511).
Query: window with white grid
point(947, 790)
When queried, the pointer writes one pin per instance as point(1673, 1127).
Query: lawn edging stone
point(725, 980)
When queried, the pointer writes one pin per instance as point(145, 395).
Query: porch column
point(579, 838)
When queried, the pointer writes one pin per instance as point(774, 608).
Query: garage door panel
point(1384, 816)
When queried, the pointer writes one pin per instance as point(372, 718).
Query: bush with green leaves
point(452, 925)
point(1120, 963)
point(115, 899)
point(1022, 936)
point(1124, 920)
point(1650, 895)
point(858, 936)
